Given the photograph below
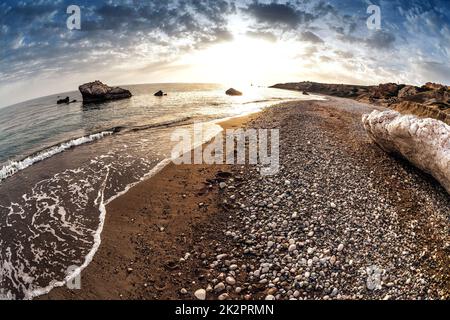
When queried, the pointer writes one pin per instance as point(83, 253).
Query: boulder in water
point(98, 92)
point(62, 101)
point(160, 94)
point(233, 92)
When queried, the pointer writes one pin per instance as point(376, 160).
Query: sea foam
point(15, 166)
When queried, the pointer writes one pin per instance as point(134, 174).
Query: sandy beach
point(339, 212)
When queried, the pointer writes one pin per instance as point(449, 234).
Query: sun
point(243, 61)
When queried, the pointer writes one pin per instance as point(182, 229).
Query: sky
point(232, 42)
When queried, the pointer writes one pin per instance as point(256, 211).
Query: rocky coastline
point(431, 100)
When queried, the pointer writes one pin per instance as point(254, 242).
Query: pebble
point(219, 287)
point(224, 296)
point(231, 281)
point(200, 294)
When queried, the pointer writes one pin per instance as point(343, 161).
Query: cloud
point(311, 37)
point(344, 54)
point(35, 38)
point(434, 71)
point(278, 15)
point(381, 40)
point(137, 35)
point(265, 35)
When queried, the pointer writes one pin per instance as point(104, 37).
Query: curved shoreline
point(151, 227)
point(103, 212)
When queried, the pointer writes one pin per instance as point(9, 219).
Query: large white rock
point(423, 142)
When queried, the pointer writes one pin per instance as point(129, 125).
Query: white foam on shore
point(15, 166)
point(208, 136)
point(423, 142)
point(97, 235)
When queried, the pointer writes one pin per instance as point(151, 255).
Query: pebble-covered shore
point(341, 220)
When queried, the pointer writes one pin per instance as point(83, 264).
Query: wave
point(102, 204)
point(269, 100)
point(15, 166)
point(152, 126)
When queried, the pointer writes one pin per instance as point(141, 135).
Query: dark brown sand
point(147, 231)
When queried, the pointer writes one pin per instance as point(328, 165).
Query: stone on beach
point(200, 294)
point(423, 142)
point(231, 281)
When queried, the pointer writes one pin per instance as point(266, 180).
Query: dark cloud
point(381, 40)
point(344, 54)
point(435, 71)
point(278, 15)
point(311, 37)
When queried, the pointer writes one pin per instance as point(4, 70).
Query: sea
point(60, 165)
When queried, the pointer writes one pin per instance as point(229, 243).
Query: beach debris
point(233, 92)
point(96, 92)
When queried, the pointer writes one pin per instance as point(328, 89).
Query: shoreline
point(168, 169)
point(148, 235)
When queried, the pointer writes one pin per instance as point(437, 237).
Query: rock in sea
point(233, 92)
point(160, 94)
point(62, 101)
point(98, 92)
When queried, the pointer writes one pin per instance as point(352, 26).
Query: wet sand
point(149, 229)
